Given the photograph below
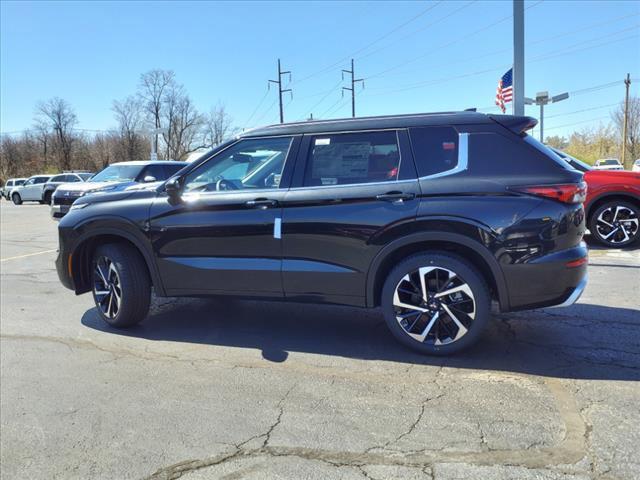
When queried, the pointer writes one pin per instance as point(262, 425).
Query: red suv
point(612, 205)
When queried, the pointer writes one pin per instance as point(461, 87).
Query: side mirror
point(172, 187)
point(149, 179)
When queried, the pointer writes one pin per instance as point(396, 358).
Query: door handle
point(395, 196)
point(262, 203)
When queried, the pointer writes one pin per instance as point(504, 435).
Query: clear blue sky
point(413, 59)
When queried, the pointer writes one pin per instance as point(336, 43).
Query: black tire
point(134, 285)
point(600, 230)
point(465, 273)
point(48, 195)
point(16, 199)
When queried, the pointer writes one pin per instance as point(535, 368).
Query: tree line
point(55, 144)
point(605, 141)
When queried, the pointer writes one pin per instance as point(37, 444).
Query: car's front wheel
point(121, 285)
point(16, 199)
point(615, 224)
point(436, 303)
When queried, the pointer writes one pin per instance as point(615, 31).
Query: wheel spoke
point(611, 233)
point(421, 336)
point(102, 276)
point(423, 281)
point(460, 288)
point(461, 328)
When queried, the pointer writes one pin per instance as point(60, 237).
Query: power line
point(581, 111)
point(392, 31)
point(578, 123)
point(257, 122)
point(453, 42)
point(264, 97)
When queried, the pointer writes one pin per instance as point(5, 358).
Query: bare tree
point(183, 123)
point(59, 116)
point(129, 115)
point(10, 157)
point(153, 88)
point(633, 128)
point(218, 126)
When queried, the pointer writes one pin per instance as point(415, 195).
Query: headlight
point(78, 207)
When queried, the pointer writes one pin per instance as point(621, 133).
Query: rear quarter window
point(495, 154)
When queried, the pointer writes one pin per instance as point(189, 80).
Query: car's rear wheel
point(615, 224)
point(436, 303)
point(16, 199)
point(121, 285)
point(47, 197)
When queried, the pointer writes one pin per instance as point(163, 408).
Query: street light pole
point(518, 57)
point(542, 99)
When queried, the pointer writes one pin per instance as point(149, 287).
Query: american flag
point(504, 94)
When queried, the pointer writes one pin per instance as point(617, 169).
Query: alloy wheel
point(434, 305)
point(107, 288)
point(617, 224)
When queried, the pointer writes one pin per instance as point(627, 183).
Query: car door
point(223, 235)
point(28, 189)
point(348, 189)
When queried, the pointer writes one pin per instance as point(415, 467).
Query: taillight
point(565, 193)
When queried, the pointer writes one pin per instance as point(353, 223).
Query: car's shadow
point(581, 342)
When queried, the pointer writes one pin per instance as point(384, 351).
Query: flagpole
point(518, 57)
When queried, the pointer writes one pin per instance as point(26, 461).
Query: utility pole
point(280, 89)
point(542, 99)
point(353, 87)
point(627, 83)
point(518, 57)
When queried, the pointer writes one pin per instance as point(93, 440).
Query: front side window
point(41, 180)
point(353, 158)
point(31, 181)
point(155, 171)
point(249, 164)
point(435, 149)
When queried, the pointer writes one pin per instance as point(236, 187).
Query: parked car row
point(61, 190)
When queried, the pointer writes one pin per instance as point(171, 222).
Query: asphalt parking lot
point(253, 390)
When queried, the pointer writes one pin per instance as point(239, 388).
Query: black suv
point(431, 217)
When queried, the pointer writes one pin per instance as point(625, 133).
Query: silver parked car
point(9, 185)
point(56, 180)
point(31, 190)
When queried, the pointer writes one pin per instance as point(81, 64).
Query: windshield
point(609, 161)
point(573, 161)
point(117, 173)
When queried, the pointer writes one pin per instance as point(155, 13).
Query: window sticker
point(342, 160)
point(323, 141)
point(329, 181)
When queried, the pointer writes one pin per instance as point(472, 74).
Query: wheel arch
point(86, 246)
point(608, 196)
point(457, 244)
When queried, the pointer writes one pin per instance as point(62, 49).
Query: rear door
point(349, 188)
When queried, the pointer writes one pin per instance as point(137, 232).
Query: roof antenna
point(471, 109)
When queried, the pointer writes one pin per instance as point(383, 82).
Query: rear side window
point(155, 171)
point(352, 158)
point(172, 169)
point(435, 149)
point(58, 178)
point(41, 180)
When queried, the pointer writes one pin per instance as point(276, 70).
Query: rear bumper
point(548, 280)
point(575, 295)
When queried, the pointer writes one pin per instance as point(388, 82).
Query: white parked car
point(30, 190)
point(9, 185)
point(636, 166)
point(608, 164)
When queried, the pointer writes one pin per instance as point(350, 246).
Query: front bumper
point(59, 211)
